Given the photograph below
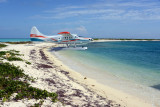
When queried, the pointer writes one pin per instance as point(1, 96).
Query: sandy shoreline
point(73, 88)
point(103, 90)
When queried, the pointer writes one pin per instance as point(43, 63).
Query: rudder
point(35, 35)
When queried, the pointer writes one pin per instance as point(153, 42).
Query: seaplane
point(66, 38)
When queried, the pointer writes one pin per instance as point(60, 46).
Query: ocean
point(130, 66)
point(14, 39)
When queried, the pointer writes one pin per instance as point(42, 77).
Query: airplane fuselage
point(61, 38)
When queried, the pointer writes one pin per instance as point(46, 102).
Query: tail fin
point(36, 35)
point(34, 30)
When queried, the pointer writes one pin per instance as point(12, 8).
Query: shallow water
point(14, 39)
point(133, 67)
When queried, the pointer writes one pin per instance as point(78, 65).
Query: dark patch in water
point(156, 86)
point(56, 48)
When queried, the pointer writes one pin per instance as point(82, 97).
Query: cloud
point(68, 23)
point(81, 29)
point(139, 10)
point(1, 1)
point(124, 4)
point(64, 8)
point(148, 14)
point(73, 13)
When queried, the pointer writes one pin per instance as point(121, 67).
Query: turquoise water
point(14, 39)
point(134, 61)
point(129, 66)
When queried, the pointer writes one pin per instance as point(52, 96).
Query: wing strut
point(75, 45)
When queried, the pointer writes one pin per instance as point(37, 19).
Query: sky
point(88, 18)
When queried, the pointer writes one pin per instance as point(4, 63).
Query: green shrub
point(2, 53)
point(12, 53)
point(11, 71)
point(29, 63)
point(10, 83)
point(38, 104)
point(27, 42)
point(2, 45)
point(14, 59)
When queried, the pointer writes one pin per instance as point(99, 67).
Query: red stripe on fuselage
point(71, 40)
point(75, 40)
point(65, 41)
point(39, 36)
point(53, 39)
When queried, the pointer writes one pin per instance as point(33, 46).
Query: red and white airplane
point(62, 38)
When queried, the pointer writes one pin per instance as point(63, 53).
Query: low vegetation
point(14, 84)
point(11, 52)
point(38, 104)
point(14, 59)
point(29, 63)
point(27, 42)
point(96, 39)
point(12, 55)
point(2, 45)
point(10, 83)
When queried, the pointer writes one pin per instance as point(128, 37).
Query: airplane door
point(59, 39)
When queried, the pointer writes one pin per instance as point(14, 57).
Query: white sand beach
point(73, 89)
